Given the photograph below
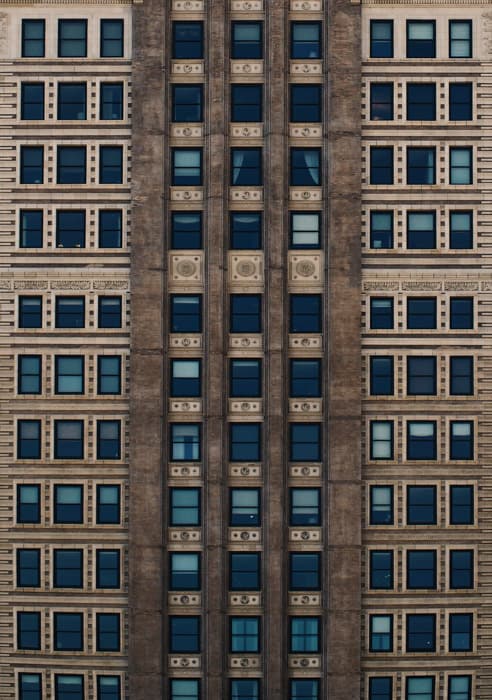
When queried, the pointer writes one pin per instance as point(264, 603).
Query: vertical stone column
point(146, 369)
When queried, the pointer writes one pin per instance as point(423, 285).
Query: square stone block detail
point(305, 268)
point(245, 269)
point(186, 268)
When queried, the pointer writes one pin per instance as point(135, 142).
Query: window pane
point(381, 231)
point(72, 38)
point(186, 230)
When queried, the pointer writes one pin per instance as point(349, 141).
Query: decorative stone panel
point(187, 68)
point(306, 68)
point(246, 131)
point(305, 471)
point(185, 341)
point(245, 268)
point(186, 132)
point(245, 406)
point(299, 535)
point(305, 131)
point(180, 194)
point(308, 406)
point(245, 599)
point(184, 662)
point(305, 599)
point(244, 342)
point(244, 661)
point(236, 534)
point(306, 6)
point(302, 661)
point(186, 268)
point(238, 194)
point(302, 194)
point(305, 268)
point(188, 6)
point(185, 599)
point(249, 68)
point(247, 5)
point(179, 536)
point(185, 471)
point(184, 406)
point(245, 471)
point(304, 342)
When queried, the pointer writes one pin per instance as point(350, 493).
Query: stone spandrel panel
point(245, 268)
point(186, 268)
point(305, 269)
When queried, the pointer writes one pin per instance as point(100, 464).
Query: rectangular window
point(461, 500)
point(305, 571)
point(29, 439)
point(381, 569)
point(305, 507)
point(421, 376)
point(381, 38)
point(69, 439)
point(112, 38)
point(110, 165)
point(70, 229)
point(30, 312)
point(461, 632)
point(461, 230)
point(461, 166)
point(69, 374)
point(304, 635)
point(421, 229)
point(381, 96)
point(245, 230)
point(246, 689)
point(381, 375)
point(188, 40)
point(304, 689)
point(421, 38)
point(111, 101)
point(187, 103)
point(28, 568)
point(110, 228)
point(68, 631)
point(460, 101)
point(107, 632)
point(421, 440)
point(186, 378)
point(70, 312)
point(186, 167)
point(72, 38)
point(460, 38)
point(461, 313)
point(29, 374)
point(186, 230)
point(184, 571)
point(244, 571)
point(459, 687)
point(108, 508)
point(461, 376)
point(245, 442)
point(31, 228)
point(72, 101)
point(108, 688)
point(68, 504)
point(69, 687)
point(109, 312)
point(33, 32)
point(461, 568)
point(30, 686)
point(245, 313)
point(108, 374)
point(461, 440)
point(381, 229)
point(421, 569)
point(184, 634)
point(28, 504)
point(29, 630)
point(305, 230)
point(421, 166)
point(421, 313)
point(245, 508)
point(305, 313)
point(381, 165)
point(247, 40)
point(381, 439)
point(420, 688)
point(246, 167)
point(421, 101)
point(186, 313)
point(71, 165)
point(31, 165)
point(184, 507)
point(305, 167)
point(107, 568)
point(68, 568)
point(246, 103)
point(380, 633)
point(381, 505)
point(421, 633)
point(305, 103)
point(305, 442)
point(244, 635)
point(185, 442)
point(305, 378)
point(380, 688)
point(32, 101)
point(181, 689)
point(245, 378)
point(108, 439)
point(421, 505)
point(305, 40)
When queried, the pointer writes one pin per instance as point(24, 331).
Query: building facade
point(245, 350)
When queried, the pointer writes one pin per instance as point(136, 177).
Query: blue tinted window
point(244, 442)
point(188, 40)
point(421, 166)
point(108, 504)
point(31, 228)
point(72, 101)
point(69, 439)
point(421, 39)
point(108, 568)
point(72, 38)
point(247, 40)
point(33, 31)
point(421, 505)
point(421, 101)
point(381, 376)
point(111, 165)
point(71, 167)
point(246, 103)
point(28, 503)
point(29, 376)
point(421, 440)
point(70, 229)
point(68, 631)
point(28, 439)
point(381, 38)
point(112, 38)
point(245, 571)
point(31, 165)
point(29, 630)
point(381, 569)
point(305, 571)
point(28, 568)
point(111, 101)
point(32, 101)
point(381, 101)
point(460, 101)
point(381, 229)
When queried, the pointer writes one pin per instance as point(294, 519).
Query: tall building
point(245, 357)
